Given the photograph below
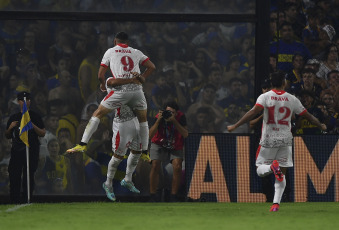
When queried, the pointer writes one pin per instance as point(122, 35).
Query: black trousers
point(17, 170)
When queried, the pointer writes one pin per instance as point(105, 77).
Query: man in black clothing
point(17, 165)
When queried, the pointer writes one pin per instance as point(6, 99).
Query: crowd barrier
point(221, 168)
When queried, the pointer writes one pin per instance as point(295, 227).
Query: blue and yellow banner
point(25, 124)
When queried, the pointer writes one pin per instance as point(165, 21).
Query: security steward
point(17, 168)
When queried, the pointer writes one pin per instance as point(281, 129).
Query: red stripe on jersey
point(279, 92)
point(303, 112)
point(117, 141)
point(145, 61)
point(259, 105)
point(122, 45)
point(118, 112)
point(103, 65)
point(108, 95)
point(258, 150)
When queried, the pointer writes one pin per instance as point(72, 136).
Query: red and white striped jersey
point(123, 60)
point(278, 109)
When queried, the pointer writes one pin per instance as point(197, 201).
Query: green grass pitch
point(163, 216)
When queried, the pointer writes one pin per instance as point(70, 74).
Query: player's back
point(123, 60)
point(279, 106)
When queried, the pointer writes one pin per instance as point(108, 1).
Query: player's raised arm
point(150, 67)
point(246, 118)
point(314, 121)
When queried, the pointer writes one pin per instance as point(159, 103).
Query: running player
point(274, 154)
point(126, 88)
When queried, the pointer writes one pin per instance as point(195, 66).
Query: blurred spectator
point(295, 18)
point(288, 47)
point(234, 113)
point(161, 55)
point(160, 85)
point(67, 93)
point(215, 78)
point(29, 43)
point(11, 31)
point(329, 61)
point(310, 34)
point(61, 48)
point(329, 120)
point(202, 121)
point(248, 77)
point(64, 63)
point(326, 34)
point(9, 91)
point(303, 126)
point(215, 51)
point(273, 63)
point(57, 167)
point(21, 63)
point(4, 178)
point(88, 73)
point(208, 100)
point(51, 125)
point(4, 68)
point(308, 83)
point(333, 82)
point(235, 96)
point(245, 43)
point(232, 69)
point(172, 79)
point(190, 77)
point(327, 97)
point(250, 59)
point(293, 77)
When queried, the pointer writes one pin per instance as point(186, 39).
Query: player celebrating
point(274, 154)
point(124, 63)
point(125, 135)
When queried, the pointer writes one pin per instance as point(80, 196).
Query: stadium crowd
point(208, 68)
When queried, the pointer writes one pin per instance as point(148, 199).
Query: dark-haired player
point(275, 147)
point(126, 89)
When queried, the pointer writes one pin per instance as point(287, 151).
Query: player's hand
point(13, 124)
point(103, 88)
point(323, 127)
point(138, 76)
point(231, 128)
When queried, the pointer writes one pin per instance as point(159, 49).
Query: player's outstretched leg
point(91, 127)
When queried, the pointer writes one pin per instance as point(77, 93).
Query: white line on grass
point(16, 207)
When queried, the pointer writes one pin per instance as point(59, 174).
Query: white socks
point(90, 129)
point(111, 170)
point(279, 188)
point(144, 134)
point(132, 162)
point(264, 170)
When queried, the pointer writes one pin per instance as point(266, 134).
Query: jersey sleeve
point(298, 107)
point(105, 58)
point(260, 101)
point(143, 58)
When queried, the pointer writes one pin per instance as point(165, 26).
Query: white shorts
point(126, 136)
point(134, 99)
point(282, 154)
